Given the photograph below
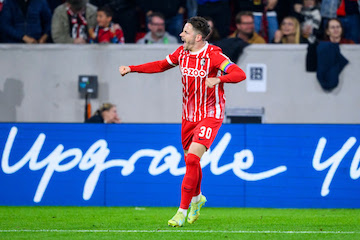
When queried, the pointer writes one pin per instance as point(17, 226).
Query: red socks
point(192, 180)
point(198, 186)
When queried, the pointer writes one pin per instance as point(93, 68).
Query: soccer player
point(204, 70)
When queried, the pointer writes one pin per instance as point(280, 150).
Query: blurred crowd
point(161, 21)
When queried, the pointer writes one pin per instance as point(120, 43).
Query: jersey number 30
point(205, 132)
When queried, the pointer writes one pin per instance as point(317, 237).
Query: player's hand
point(124, 70)
point(211, 82)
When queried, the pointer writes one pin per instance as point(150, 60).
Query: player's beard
point(189, 44)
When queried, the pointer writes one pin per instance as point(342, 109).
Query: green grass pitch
point(151, 223)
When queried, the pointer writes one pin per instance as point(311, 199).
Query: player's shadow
point(10, 97)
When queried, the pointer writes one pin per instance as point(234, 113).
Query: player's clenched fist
point(211, 82)
point(124, 70)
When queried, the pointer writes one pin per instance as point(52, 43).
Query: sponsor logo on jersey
point(193, 72)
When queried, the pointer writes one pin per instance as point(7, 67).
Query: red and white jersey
point(199, 101)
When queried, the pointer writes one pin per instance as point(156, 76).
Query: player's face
point(188, 36)
point(102, 19)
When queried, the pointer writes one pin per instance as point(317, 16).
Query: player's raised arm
point(151, 67)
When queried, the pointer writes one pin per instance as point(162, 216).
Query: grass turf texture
point(151, 223)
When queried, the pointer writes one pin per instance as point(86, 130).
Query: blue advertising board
point(254, 165)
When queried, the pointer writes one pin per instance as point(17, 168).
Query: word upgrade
point(95, 159)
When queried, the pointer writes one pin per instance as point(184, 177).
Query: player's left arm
point(234, 74)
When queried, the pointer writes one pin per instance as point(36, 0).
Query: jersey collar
point(202, 49)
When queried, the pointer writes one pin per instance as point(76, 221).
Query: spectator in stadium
point(124, 14)
point(107, 113)
point(245, 28)
point(309, 16)
point(349, 15)
point(289, 32)
point(219, 11)
point(330, 61)
point(157, 33)
point(172, 10)
point(25, 21)
point(208, 69)
point(214, 33)
point(334, 32)
point(72, 20)
point(265, 16)
point(106, 31)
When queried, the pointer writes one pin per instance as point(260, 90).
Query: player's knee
point(192, 160)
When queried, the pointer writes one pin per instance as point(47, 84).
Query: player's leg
point(190, 182)
point(204, 135)
point(194, 174)
point(186, 135)
point(197, 199)
point(197, 194)
point(196, 139)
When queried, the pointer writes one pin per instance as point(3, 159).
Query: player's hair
point(107, 10)
point(243, 13)
point(200, 25)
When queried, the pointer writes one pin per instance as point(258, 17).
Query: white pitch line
point(169, 231)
